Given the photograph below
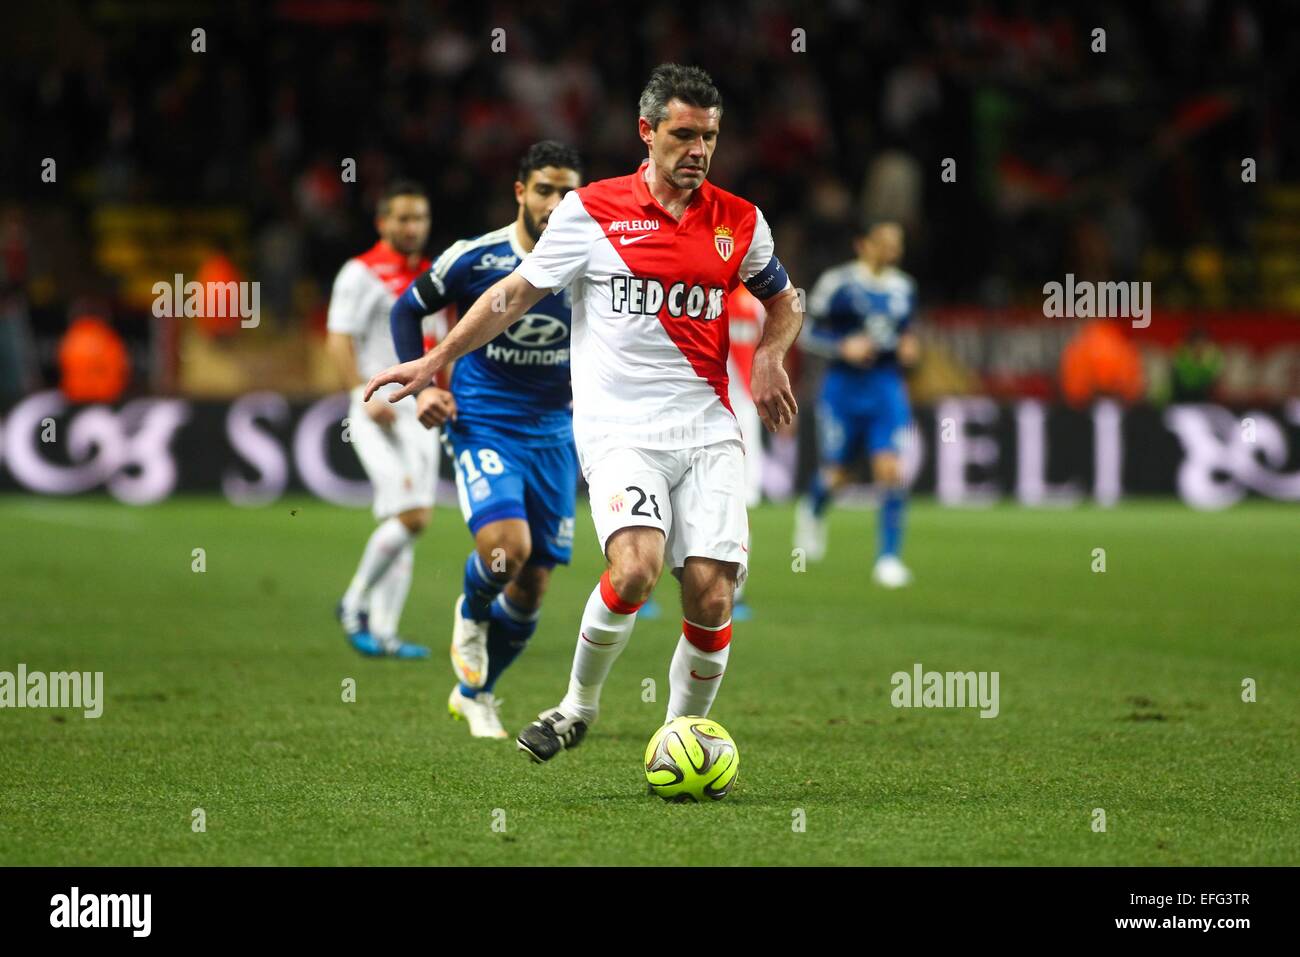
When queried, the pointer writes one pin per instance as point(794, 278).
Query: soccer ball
point(691, 758)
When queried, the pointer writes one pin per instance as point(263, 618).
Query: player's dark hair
point(548, 153)
point(689, 84)
point(399, 187)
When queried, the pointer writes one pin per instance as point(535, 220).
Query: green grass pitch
point(1119, 690)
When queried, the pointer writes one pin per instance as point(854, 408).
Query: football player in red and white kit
point(397, 452)
point(649, 259)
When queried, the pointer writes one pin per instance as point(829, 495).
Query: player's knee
point(713, 607)
point(633, 576)
point(708, 592)
point(416, 520)
point(504, 547)
point(529, 587)
point(835, 478)
point(505, 557)
point(888, 470)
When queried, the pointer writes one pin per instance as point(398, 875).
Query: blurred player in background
point(861, 321)
point(397, 453)
point(509, 424)
point(649, 259)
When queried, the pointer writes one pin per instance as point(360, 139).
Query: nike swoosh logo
point(706, 677)
point(627, 240)
point(601, 644)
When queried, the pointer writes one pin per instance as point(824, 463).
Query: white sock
point(388, 596)
point(604, 635)
point(695, 674)
point(385, 544)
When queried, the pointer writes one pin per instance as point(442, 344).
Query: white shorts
point(401, 461)
point(695, 496)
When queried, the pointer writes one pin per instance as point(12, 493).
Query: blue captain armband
point(768, 281)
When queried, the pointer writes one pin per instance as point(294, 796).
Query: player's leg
point(501, 549)
point(709, 548)
point(838, 440)
point(388, 595)
point(635, 558)
point(490, 487)
point(704, 645)
point(632, 513)
point(400, 464)
point(550, 498)
point(515, 615)
point(885, 440)
point(550, 492)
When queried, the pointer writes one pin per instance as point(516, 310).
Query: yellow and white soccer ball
point(690, 759)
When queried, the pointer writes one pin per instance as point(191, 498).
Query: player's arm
point(765, 277)
point(426, 295)
point(768, 382)
point(500, 306)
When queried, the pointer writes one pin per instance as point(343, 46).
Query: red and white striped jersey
point(650, 335)
point(362, 298)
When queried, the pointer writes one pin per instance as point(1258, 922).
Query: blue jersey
point(516, 385)
point(849, 298)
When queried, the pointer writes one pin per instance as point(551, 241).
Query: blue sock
point(481, 589)
point(508, 635)
point(892, 501)
point(819, 496)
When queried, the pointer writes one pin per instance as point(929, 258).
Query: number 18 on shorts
point(498, 479)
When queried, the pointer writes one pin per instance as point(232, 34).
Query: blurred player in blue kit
point(861, 315)
point(508, 423)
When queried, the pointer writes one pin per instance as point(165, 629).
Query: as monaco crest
point(723, 242)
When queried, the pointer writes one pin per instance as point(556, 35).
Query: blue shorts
point(499, 478)
point(859, 412)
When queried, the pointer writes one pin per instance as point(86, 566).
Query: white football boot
point(809, 531)
point(890, 572)
point(482, 712)
point(469, 652)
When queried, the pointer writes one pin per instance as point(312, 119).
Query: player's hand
point(413, 376)
point(773, 396)
point(857, 349)
point(435, 406)
point(381, 413)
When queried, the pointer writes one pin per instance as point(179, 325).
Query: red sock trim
point(707, 639)
point(615, 604)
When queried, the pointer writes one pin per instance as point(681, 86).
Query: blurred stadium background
point(227, 164)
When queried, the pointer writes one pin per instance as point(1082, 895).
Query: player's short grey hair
point(689, 84)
